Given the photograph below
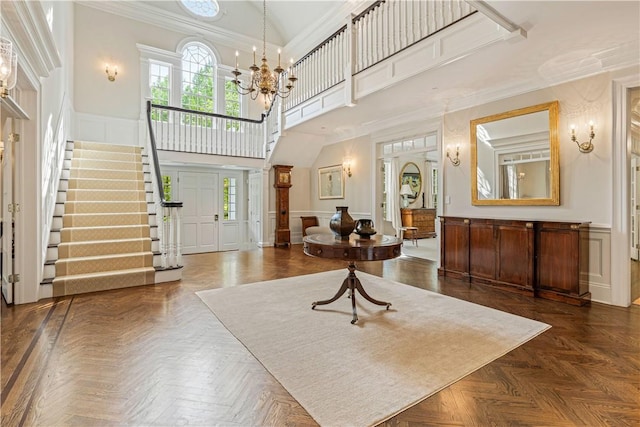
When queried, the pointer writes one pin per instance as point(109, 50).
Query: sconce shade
point(405, 190)
point(6, 53)
point(346, 165)
point(8, 66)
point(13, 77)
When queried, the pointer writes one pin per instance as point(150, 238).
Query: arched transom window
point(198, 72)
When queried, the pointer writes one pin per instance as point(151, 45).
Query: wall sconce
point(346, 166)
point(584, 147)
point(455, 161)
point(405, 191)
point(111, 72)
point(8, 67)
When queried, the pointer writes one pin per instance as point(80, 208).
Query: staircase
point(105, 236)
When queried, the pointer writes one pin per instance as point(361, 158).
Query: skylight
point(202, 8)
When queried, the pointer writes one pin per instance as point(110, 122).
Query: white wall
point(43, 92)
point(101, 38)
point(585, 179)
point(358, 193)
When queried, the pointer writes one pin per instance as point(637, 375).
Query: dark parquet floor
point(152, 356)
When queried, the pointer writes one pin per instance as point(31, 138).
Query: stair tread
point(107, 273)
point(106, 241)
point(108, 256)
point(82, 214)
point(105, 227)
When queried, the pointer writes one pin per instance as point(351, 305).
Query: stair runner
point(105, 237)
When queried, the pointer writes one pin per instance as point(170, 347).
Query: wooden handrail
point(156, 163)
point(324, 42)
point(366, 11)
point(204, 113)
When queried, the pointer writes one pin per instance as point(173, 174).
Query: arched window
point(198, 78)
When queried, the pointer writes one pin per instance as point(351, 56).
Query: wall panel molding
point(110, 130)
point(600, 264)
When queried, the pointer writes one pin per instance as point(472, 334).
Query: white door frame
point(635, 211)
point(620, 227)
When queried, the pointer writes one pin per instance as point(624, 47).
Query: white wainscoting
point(600, 264)
point(110, 130)
point(322, 103)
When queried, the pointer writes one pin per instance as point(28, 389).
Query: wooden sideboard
point(424, 219)
point(538, 258)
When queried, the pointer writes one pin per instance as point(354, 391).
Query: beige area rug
point(364, 374)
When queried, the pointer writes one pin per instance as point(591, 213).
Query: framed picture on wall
point(330, 182)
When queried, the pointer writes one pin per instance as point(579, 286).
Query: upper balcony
point(399, 63)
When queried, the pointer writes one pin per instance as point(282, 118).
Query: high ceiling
point(566, 40)
point(285, 18)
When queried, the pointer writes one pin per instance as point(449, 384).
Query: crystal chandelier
point(263, 80)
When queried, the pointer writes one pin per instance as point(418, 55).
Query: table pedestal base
point(351, 283)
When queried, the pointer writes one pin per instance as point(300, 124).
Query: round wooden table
point(356, 248)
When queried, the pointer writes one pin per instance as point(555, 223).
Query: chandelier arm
point(242, 90)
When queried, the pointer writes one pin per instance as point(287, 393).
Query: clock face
point(283, 177)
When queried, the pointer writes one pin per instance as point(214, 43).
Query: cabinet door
point(515, 246)
point(558, 259)
point(482, 257)
point(455, 245)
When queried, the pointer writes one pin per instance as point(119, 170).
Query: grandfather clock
point(282, 185)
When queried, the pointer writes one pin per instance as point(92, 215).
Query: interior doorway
point(409, 183)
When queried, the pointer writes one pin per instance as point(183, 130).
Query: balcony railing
point(188, 131)
point(381, 31)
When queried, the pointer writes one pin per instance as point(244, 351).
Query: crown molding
point(141, 12)
point(27, 26)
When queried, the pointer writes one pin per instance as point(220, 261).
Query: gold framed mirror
point(515, 157)
point(411, 176)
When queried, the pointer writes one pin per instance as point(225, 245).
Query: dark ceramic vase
point(364, 228)
point(341, 223)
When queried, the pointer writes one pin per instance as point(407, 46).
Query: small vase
point(341, 223)
point(364, 228)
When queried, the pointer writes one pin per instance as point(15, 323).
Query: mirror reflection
point(515, 157)
point(410, 175)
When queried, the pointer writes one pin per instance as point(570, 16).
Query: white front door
point(200, 197)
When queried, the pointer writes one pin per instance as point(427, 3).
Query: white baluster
point(161, 213)
point(172, 240)
point(375, 33)
point(396, 27)
point(178, 222)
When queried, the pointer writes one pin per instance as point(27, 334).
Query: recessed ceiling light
point(201, 8)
